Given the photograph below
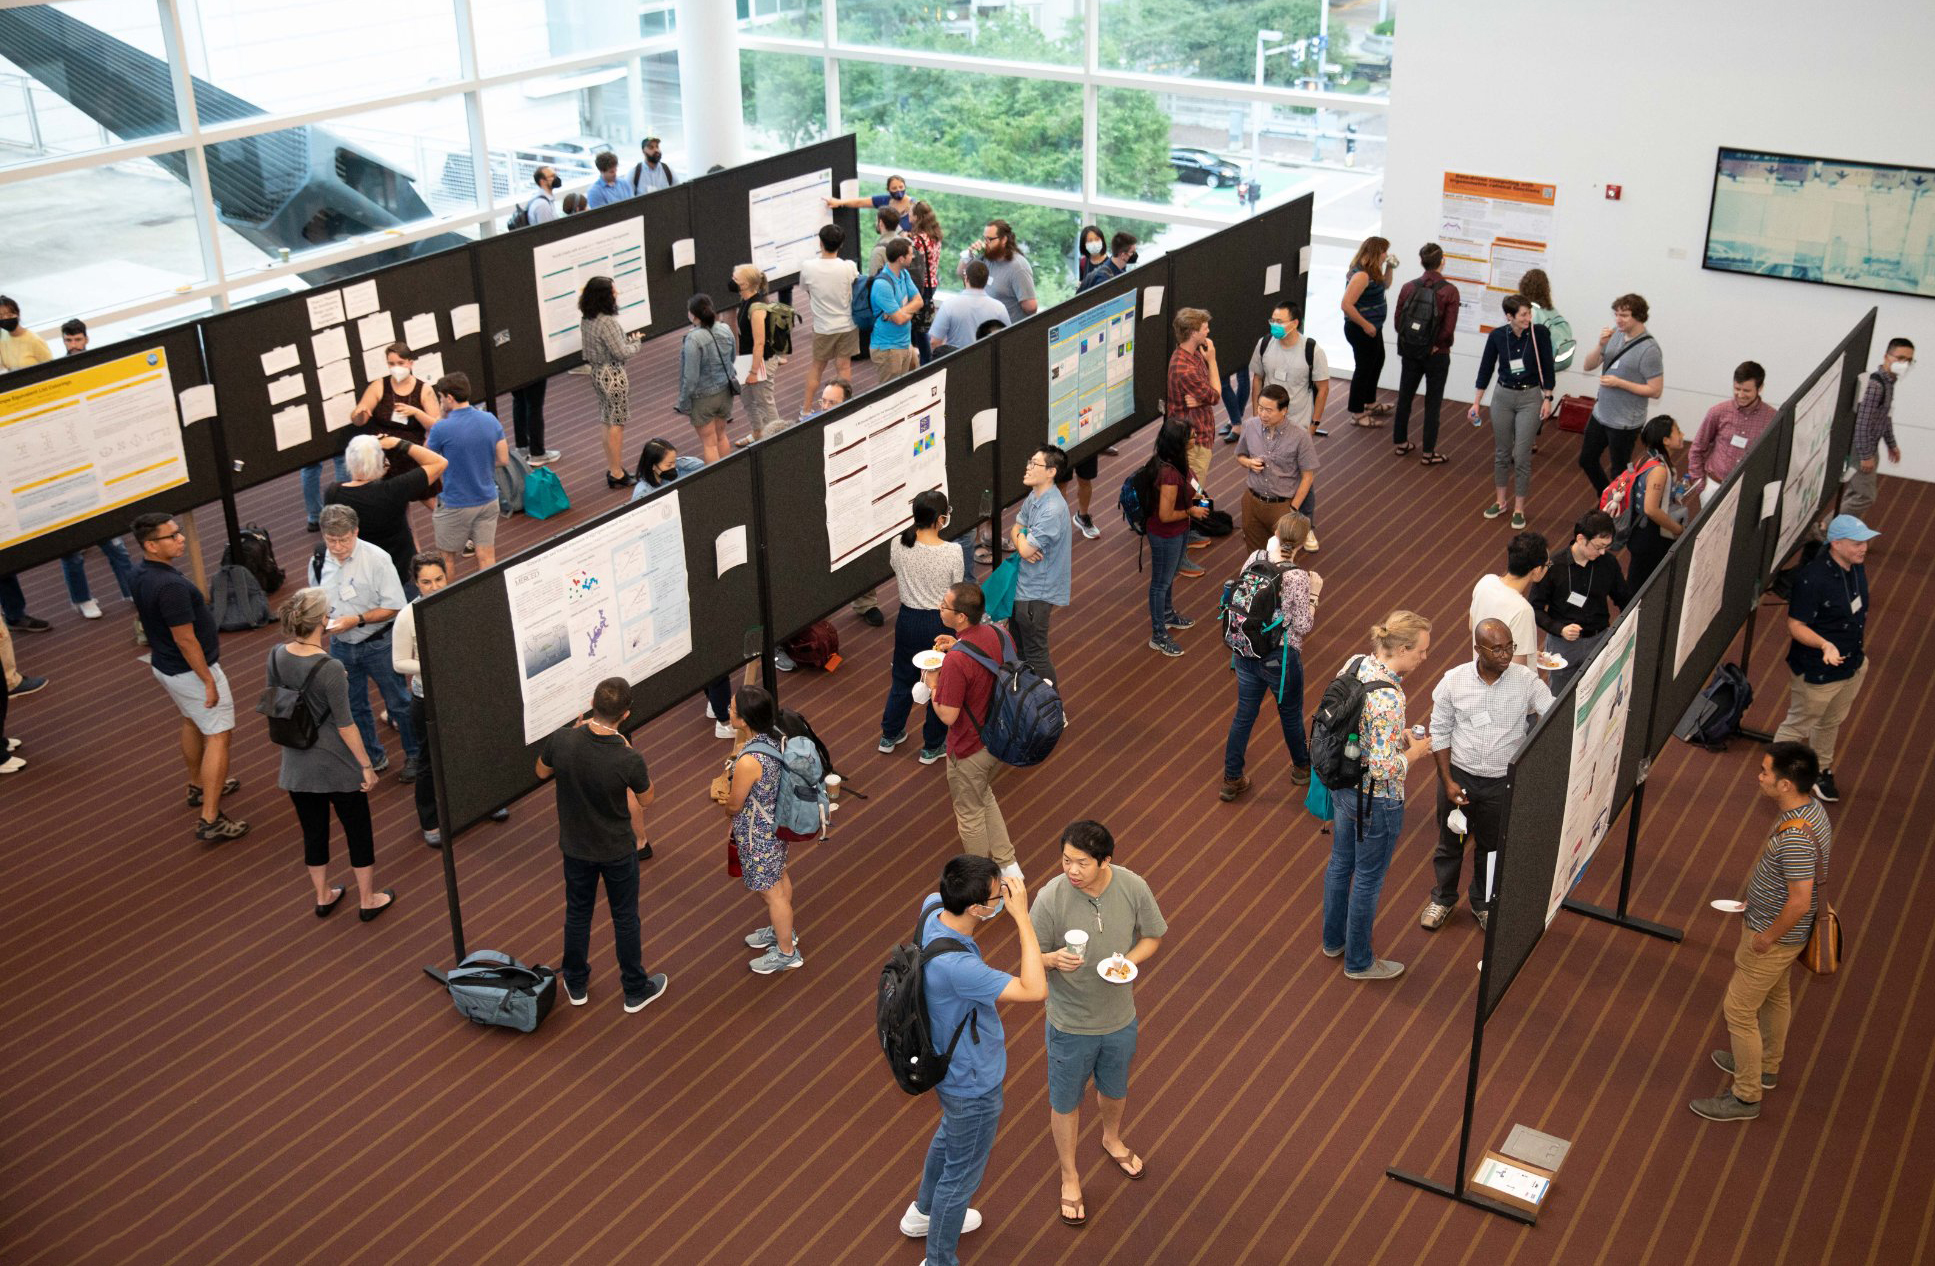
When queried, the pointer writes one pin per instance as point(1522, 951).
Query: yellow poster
point(1492, 230)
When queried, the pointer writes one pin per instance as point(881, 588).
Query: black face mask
point(732, 284)
point(665, 475)
point(9, 324)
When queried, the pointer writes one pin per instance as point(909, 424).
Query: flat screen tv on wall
point(1866, 225)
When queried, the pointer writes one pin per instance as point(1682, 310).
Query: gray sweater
point(605, 341)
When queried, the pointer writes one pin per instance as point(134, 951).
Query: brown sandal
point(1081, 1213)
point(1401, 449)
point(1123, 1163)
point(1433, 459)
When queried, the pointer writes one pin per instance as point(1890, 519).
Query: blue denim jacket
point(705, 363)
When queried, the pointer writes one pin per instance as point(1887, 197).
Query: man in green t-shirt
point(1091, 1017)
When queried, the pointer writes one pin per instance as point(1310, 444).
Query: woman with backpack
point(755, 334)
point(751, 795)
point(707, 379)
point(333, 772)
point(1280, 669)
point(606, 345)
point(924, 566)
point(1176, 495)
point(1534, 285)
point(1658, 518)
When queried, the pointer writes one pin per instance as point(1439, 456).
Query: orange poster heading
point(1530, 191)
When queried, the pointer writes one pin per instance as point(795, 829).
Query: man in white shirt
point(365, 594)
point(829, 284)
point(1502, 598)
point(963, 314)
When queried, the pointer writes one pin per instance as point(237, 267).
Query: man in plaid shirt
point(1192, 395)
point(1874, 425)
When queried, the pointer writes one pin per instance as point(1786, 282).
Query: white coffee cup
point(833, 786)
point(1456, 821)
point(1077, 940)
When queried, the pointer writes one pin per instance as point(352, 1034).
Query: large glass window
point(989, 127)
point(253, 57)
point(1012, 30)
point(564, 121)
point(1298, 43)
point(124, 234)
point(785, 100)
point(517, 33)
point(53, 99)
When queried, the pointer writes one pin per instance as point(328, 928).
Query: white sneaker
point(913, 1223)
point(722, 730)
point(90, 609)
point(1310, 542)
point(14, 764)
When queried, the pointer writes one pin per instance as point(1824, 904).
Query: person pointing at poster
point(895, 200)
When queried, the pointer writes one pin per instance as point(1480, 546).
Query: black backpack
point(291, 722)
point(1335, 754)
point(900, 1011)
point(1309, 360)
point(1252, 609)
point(1716, 715)
point(254, 550)
point(1137, 500)
point(1024, 719)
point(236, 600)
point(1418, 321)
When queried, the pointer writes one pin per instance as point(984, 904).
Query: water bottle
point(1351, 750)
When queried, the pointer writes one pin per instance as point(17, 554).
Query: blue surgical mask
point(993, 910)
point(1277, 331)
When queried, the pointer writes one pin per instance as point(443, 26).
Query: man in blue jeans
point(365, 593)
point(962, 989)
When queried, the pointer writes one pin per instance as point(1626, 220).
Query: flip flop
point(1081, 1213)
point(1123, 1163)
point(324, 910)
point(1401, 449)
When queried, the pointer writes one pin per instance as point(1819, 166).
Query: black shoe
point(382, 763)
point(229, 788)
point(1824, 789)
point(411, 769)
point(369, 915)
point(874, 617)
point(500, 815)
point(314, 526)
point(222, 828)
point(28, 624)
point(619, 481)
point(470, 549)
point(27, 686)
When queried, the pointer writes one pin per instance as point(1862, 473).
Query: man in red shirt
point(1727, 431)
point(1192, 394)
point(962, 692)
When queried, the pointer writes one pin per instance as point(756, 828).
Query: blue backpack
point(1024, 719)
point(802, 801)
point(863, 315)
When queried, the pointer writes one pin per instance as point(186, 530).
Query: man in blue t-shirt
point(961, 989)
point(472, 441)
point(895, 301)
point(1041, 536)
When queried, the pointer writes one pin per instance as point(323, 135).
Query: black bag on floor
point(493, 988)
point(257, 553)
point(1216, 522)
point(1716, 715)
point(236, 600)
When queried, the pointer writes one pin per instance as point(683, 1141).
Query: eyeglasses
point(175, 535)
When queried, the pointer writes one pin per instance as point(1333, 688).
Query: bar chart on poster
point(76, 445)
point(786, 219)
point(1091, 370)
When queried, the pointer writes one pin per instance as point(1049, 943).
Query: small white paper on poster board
point(730, 548)
point(325, 310)
point(375, 365)
point(1769, 499)
point(285, 388)
point(1151, 301)
point(429, 367)
point(849, 188)
point(293, 425)
point(336, 411)
point(984, 423)
point(197, 404)
point(1303, 258)
point(280, 360)
point(360, 300)
point(1272, 279)
point(330, 346)
point(420, 331)
point(463, 321)
point(334, 378)
point(375, 330)
point(683, 253)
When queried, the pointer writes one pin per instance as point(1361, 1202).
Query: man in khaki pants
point(1827, 617)
point(1782, 899)
point(963, 692)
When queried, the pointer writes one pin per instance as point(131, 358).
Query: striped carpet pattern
point(199, 1071)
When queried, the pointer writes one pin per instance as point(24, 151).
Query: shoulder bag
point(1822, 953)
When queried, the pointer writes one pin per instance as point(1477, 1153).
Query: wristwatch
point(359, 621)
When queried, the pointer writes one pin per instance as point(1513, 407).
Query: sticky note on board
point(360, 299)
point(730, 548)
point(1272, 279)
point(336, 411)
point(1151, 301)
point(279, 360)
point(197, 404)
point(850, 188)
point(683, 253)
point(1769, 499)
point(984, 424)
point(286, 388)
point(1303, 258)
point(325, 309)
point(463, 320)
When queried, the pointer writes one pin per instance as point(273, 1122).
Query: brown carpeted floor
point(198, 1071)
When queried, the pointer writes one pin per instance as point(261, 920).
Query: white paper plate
point(1728, 907)
point(1133, 973)
point(928, 661)
point(1550, 662)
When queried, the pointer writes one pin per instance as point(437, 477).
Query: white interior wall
point(1641, 95)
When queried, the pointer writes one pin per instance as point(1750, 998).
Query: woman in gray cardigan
point(606, 345)
point(707, 381)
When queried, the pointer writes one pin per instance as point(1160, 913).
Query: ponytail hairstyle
point(1653, 434)
point(929, 508)
point(1400, 631)
point(701, 307)
point(1293, 530)
point(750, 272)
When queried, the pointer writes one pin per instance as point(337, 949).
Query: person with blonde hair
point(755, 317)
point(333, 773)
point(1276, 666)
point(1367, 820)
point(1365, 307)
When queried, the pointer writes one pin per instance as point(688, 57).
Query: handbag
point(998, 590)
point(1822, 953)
point(1317, 799)
point(732, 860)
point(543, 494)
point(291, 722)
point(732, 383)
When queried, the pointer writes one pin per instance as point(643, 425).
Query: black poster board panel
point(1534, 822)
point(235, 343)
point(507, 281)
point(470, 660)
point(1651, 658)
point(1224, 274)
point(723, 217)
point(181, 347)
point(1856, 365)
point(793, 475)
point(1779, 436)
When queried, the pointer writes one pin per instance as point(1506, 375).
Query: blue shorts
point(1075, 1057)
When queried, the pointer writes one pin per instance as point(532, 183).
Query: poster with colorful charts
point(877, 459)
point(1602, 702)
point(563, 266)
point(74, 446)
point(1805, 487)
point(786, 218)
point(612, 602)
point(1706, 575)
point(1091, 371)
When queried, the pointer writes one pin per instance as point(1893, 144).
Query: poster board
point(877, 457)
point(561, 267)
point(785, 217)
point(1809, 484)
point(1091, 369)
point(722, 212)
point(1492, 229)
point(1603, 706)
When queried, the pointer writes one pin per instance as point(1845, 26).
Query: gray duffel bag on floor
point(493, 988)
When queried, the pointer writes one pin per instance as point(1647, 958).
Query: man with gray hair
point(364, 596)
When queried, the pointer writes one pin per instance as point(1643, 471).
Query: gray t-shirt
point(1285, 366)
point(1011, 281)
point(1622, 410)
point(1080, 1001)
point(328, 765)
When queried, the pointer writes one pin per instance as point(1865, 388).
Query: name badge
point(347, 591)
point(1481, 718)
point(1855, 606)
point(1575, 600)
point(1517, 365)
point(1738, 441)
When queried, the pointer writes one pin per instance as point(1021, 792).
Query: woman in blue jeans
point(1366, 820)
point(1168, 528)
point(924, 566)
point(1280, 673)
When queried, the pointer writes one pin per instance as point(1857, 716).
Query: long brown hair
point(1373, 249)
point(1534, 285)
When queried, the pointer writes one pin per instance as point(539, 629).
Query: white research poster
point(786, 218)
point(1601, 703)
point(610, 603)
point(562, 268)
point(76, 445)
point(1706, 575)
point(1492, 230)
point(1807, 472)
point(877, 459)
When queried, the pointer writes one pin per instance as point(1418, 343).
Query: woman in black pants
point(1658, 518)
point(1365, 307)
point(333, 773)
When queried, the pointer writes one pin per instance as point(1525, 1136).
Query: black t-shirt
point(165, 599)
point(1595, 582)
point(383, 514)
point(593, 773)
point(1833, 601)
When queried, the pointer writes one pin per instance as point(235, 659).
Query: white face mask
point(921, 693)
point(1900, 367)
point(399, 372)
point(1096, 248)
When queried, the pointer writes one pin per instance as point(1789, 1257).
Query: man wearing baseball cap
point(1827, 618)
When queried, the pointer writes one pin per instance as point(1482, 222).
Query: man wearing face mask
point(654, 172)
point(541, 209)
point(19, 346)
point(1727, 432)
point(1874, 425)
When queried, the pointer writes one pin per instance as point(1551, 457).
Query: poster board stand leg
point(225, 483)
point(433, 756)
point(1621, 916)
point(768, 662)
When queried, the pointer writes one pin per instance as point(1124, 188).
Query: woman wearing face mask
point(606, 345)
point(1522, 353)
point(19, 346)
point(707, 377)
point(1365, 307)
point(399, 404)
point(1090, 250)
point(758, 389)
point(1656, 496)
point(659, 464)
point(924, 566)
